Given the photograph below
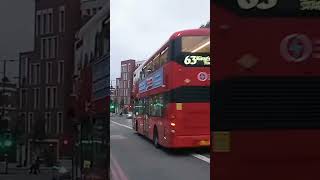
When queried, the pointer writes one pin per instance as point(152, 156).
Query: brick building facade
point(46, 80)
point(124, 85)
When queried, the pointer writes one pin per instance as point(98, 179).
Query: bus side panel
point(140, 125)
point(285, 157)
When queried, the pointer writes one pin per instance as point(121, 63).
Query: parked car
point(60, 173)
point(129, 115)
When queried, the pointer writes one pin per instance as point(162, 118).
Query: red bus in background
point(171, 92)
point(266, 115)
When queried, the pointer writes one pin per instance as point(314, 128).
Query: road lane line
point(122, 125)
point(120, 175)
point(198, 156)
point(201, 157)
point(114, 174)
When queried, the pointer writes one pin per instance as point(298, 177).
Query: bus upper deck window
point(196, 44)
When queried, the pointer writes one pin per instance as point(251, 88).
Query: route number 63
point(249, 4)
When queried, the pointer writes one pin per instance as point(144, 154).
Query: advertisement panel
point(153, 81)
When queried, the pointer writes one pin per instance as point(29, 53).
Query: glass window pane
point(196, 44)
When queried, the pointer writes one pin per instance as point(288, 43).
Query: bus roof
point(188, 32)
point(191, 32)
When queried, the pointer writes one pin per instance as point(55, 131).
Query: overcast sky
point(139, 28)
point(16, 31)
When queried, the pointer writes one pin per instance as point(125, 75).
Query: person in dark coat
point(32, 168)
point(37, 165)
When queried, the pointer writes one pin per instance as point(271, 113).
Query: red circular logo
point(202, 76)
point(296, 47)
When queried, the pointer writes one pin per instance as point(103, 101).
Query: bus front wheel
point(156, 138)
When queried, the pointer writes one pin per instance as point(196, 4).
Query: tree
point(207, 25)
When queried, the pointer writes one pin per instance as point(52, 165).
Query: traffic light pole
point(6, 161)
point(3, 87)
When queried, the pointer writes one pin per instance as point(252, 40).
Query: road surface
point(133, 157)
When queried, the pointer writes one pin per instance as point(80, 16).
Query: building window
point(45, 21)
point(48, 97)
point(60, 71)
point(36, 98)
point(59, 122)
point(33, 74)
point(55, 46)
point(48, 122)
point(51, 20)
point(23, 99)
point(124, 68)
point(43, 48)
point(30, 122)
point(24, 69)
point(125, 83)
point(24, 119)
point(49, 72)
point(54, 97)
point(88, 12)
point(48, 22)
point(94, 10)
point(61, 19)
point(36, 95)
point(37, 75)
point(38, 23)
point(41, 23)
point(49, 48)
point(125, 76)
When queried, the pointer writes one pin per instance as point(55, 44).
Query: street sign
point(86, 164)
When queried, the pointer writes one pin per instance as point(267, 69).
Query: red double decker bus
point(266, 115)
point(171, 92)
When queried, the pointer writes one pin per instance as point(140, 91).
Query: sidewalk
point(14, 166)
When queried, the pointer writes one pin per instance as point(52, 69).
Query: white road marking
point(122, 125)
point(117, 137)
point(198, 156)
point(201, 157)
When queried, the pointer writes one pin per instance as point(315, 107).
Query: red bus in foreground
point(171, 92)
point(266, 115)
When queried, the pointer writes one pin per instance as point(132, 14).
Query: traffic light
point(112, 107)
point(6, 141)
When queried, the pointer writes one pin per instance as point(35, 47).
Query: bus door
point(146, 120)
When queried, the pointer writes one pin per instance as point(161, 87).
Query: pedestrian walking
point(32, 167)
point(37, 165)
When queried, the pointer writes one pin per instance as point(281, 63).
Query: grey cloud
point(139, 28)
point(16, 32)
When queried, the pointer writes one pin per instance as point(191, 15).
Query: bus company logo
point(296, 48)
point(203, 76)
